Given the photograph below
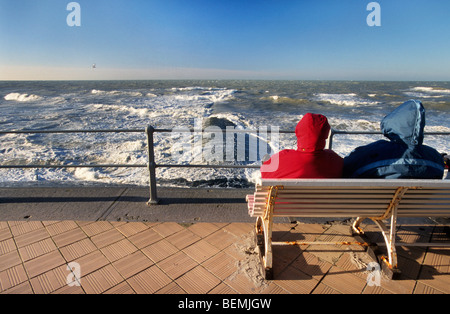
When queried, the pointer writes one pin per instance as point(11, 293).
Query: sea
point(261, 105)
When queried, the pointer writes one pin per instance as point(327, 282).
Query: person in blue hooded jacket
point(404, 155)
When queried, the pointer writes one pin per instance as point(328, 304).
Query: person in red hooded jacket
point(310, 159)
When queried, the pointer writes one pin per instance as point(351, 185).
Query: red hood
point(312, 132)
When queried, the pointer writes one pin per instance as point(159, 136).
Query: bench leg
point(355, 227)
point(389, 264)
point(264, 241)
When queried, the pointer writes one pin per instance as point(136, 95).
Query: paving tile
point(416, 254)
point(23, 288)
point(243, 283)
point(66, 289)
point(77, 249)
point(5, 234)
point(273, 288)
point(295, 281)
point(221, 265)
point(159, 250)
point(117, 223)
point(149, 281)
point(9, 260)
point(440, 234)
point(324, 289)
point(221, 239)
point(12, 277)
point(97, 227)
point(409, 268)
point(118, 250)
point(422, 288)
point(400, 286)
point(129, 229)
point(107, 238)
point(31, 237)
point(303, 232)
point(344, 282)
point(239, 229)
point(198, 280)
point(91, 262)
point(222, 288)
point(283, 256)
point(145, 238)
point(171, 288)
point(203, 229)
point(37, 249)
point(69, 237)
point(414, 233)
point(431, 277)
point(25, 227)
point(375, 290)
point(7, 246)
point(50, 280)
point(50, 222)
point(167, 228)
point(311, 265)
point(121, 288)
point(201, 251)
point(4, 225)
point(328, 253)
point(61, 227)
point(44, 263)
point(183, 238)
point(101, 280)
point(355, 263)
point(439, 258)
point(14, 222)
point(177, 264)
point(132, 264)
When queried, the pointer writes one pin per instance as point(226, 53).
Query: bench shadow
point(289, 262)
point(410, 259)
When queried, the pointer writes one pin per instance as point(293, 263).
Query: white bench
point(377, 199)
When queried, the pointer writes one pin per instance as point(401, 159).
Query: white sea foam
point(116, 92)
point(432, 90)
point(22, 97)
point(284, 99)
point(127, 110)
point(350, 99)
point(427, 92)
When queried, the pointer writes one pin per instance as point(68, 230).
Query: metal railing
point(152, 165)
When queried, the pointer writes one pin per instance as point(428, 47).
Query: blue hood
point(404, 156)
point(405, 124)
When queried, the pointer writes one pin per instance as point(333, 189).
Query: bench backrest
point(352, 197)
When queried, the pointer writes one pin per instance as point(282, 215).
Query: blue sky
point(231, 39)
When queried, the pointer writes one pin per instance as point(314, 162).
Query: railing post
point(330, 139)
point(151, 166)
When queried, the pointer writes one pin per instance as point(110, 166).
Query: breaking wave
point(22, 97)
point(349, 100)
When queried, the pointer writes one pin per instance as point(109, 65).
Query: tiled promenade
point(113, 255)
